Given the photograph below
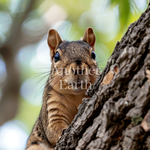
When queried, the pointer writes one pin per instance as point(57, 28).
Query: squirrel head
point(74, 66)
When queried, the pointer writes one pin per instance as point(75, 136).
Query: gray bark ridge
point(117, 117)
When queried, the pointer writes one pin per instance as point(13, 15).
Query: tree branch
point(10, 90)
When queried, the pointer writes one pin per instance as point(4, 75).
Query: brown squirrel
point(73, 69)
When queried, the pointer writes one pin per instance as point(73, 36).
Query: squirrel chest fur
point(73, 70)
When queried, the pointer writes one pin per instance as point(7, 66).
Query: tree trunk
point(117, 116)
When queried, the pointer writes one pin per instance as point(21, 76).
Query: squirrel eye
point(93, 55)
point(57, 57)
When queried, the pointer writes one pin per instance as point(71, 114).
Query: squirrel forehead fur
point(75, 50)
point(74, 47)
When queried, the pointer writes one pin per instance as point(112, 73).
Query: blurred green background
point(108, 18)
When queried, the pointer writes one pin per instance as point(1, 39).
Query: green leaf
point(124, 12)
point(4, 5)
point(114, 2)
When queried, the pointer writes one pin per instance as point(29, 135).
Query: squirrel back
point(73, 70)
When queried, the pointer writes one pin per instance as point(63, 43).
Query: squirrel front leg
point(55, 128)
point(54, 132)
point(57, 117)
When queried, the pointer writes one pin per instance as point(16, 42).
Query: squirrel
point(73, 69)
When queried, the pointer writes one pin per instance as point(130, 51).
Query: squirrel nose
point(78, 62)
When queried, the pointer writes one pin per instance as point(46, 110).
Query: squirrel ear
point(53, 40)
point(89, 37)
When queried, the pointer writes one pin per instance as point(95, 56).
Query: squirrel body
point(66, 86)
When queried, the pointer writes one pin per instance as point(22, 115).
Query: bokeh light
point(13, 136)
point(3, 73)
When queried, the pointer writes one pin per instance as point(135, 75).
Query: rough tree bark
point(117, 116)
